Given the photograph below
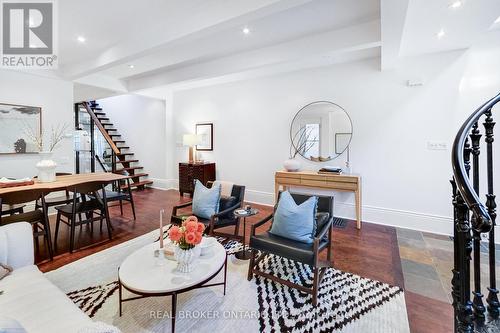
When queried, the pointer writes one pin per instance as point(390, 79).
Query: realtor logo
point(28, 32)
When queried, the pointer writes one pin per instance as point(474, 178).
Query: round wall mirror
point(321, 131)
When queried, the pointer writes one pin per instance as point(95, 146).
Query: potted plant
point(186, 238)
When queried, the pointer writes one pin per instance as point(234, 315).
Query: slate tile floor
point(427, 261)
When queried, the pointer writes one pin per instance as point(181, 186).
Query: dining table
point(66, 182)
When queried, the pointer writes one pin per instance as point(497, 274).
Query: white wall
point(141, 121)
point(55, 97)
point(404, 183)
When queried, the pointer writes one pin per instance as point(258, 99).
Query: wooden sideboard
point(188, 172)
point(312, 179)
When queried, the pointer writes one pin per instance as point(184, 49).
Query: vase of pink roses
point(186, 237)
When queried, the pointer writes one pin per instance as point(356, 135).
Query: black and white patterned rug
point(346, 302)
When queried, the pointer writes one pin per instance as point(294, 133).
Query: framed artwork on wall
point(206, 133)
point(20, 129)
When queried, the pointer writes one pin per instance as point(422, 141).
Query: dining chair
point(12, 209)
point(88, 199)
point(122, 194)
point(59, 200)
point(37, 218)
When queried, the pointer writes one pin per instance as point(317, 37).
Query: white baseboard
point(398, 218)
point(259, 197)
point(378, 215)
point(164, 184)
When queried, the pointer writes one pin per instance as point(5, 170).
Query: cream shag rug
point(347, 302)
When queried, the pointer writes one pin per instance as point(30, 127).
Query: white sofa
point(28, 297)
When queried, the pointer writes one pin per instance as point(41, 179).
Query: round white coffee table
point(141, 274)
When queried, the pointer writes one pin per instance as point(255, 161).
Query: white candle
point(161, 229)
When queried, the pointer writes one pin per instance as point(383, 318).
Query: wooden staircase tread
point(115, 135)
point(137, 184)
point(99, 113)
point(124, 147)
point(111, 129)
point(102, 118)
point(127, 161)
point(118, 141)
point(128, 169)
point(124, 154)
point(137, 175)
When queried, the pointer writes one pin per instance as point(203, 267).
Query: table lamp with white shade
point(191, 140)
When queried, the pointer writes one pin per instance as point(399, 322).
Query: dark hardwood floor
point(371, 252)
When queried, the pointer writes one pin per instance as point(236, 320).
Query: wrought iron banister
point(482, 220)
point(472, 218)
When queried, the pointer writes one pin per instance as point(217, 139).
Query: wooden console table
point(312, 179)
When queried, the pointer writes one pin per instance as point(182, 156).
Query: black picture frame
point(206, 130)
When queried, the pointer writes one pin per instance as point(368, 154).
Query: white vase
point(185, 258)
point(46, 168)
point(291, 165)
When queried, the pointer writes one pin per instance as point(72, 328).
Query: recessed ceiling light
point(497, 20)
point(456, 4)
point(81, 39)
point(440, 34)
point(131, 66)
point(246, 30)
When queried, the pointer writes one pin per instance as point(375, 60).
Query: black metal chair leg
point(108, 223)
point(58, 222)
point(48, 238)
point(133, 206)
point(72, 235)
point(35, 232)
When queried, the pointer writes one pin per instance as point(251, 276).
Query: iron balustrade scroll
point(472, 218)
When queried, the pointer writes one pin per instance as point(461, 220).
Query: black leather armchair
point(267, 243)
point(224, 218)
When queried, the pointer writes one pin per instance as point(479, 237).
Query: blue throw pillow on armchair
point(292, 221)
point(206, 200)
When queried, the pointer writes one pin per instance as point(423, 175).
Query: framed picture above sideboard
point(20, 128)
point(206, 133)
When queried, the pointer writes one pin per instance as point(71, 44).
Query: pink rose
point(198, 238)
point(201, 227)
point(191, 218)
point(174, 234)
point(191, 226)
point(190, 238)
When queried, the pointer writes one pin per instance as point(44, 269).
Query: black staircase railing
point(472, 218)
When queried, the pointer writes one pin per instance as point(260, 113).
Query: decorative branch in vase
point(46, 166)
point(57, 135)
point(304, 143)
